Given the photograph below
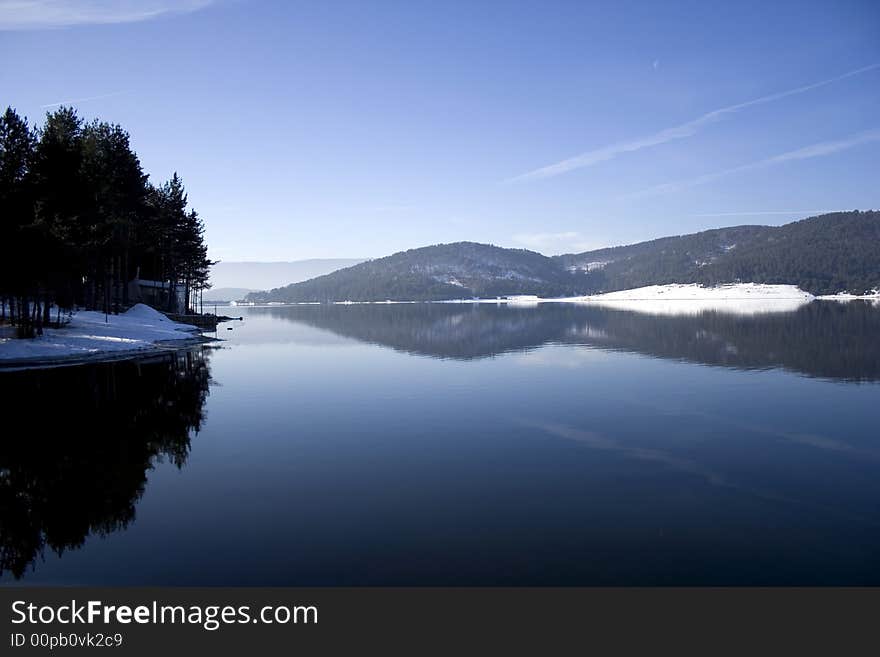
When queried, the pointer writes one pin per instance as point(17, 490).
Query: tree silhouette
point(80, 220)
point(56, 489)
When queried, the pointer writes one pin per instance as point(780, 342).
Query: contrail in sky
point(671, 134)
point(74, 101)
point(807, 152)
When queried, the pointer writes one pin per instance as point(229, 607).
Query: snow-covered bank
point(696, 292)
point(874, 297)
point(672, 299)
point(92, 335)
point(677, 299)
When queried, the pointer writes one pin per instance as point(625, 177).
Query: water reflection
point(87, 436)
point(330, 461)
point(820, 339)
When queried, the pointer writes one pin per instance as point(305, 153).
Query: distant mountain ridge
point(825, 254)
point(226, 294)
point(265, 275)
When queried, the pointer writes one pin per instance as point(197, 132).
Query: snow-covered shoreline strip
point(679, 298)
point(692, 299)
point(696, 292)
point(91, 335)
point(846, 296)
point(674, 298)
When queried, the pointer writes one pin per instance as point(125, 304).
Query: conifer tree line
point(79, 219)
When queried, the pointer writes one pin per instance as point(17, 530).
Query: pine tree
point(17, 143)
point(79, 220)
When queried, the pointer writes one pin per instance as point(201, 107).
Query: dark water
point(453, 444)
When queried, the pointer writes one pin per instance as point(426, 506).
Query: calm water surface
point(457, 444)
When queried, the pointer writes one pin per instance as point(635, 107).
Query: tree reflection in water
point(77, 463)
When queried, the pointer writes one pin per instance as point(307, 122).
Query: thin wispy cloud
point(43, 14)
point(75, 101)
point(682, 131)
point(820, 149)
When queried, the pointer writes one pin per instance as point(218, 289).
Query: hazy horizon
point(268, 275)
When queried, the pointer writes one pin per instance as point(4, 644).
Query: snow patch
point(693, 299)
point(523, 299)
point(146, 313)
point(92, 333)
point(873, 297)
point(590, 266)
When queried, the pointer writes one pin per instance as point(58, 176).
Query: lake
point(434, 444)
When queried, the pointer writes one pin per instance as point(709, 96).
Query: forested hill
point(823, 255)
point(446, 271)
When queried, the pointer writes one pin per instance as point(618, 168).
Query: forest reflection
point(77, 464)
point(821, 339)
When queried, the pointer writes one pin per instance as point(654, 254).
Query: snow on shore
point(874, 297)
point(677, 299)
point(89, 335)
point(672, 299)
point(693, 299)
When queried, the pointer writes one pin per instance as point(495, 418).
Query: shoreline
point(685, 292)
point(92, 336)
point(36, 363)
point(142, 331)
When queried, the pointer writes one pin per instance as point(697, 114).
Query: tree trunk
point(91, 293)
point(25, 314)
point(118, 287)
point(125, 279)
point(172, 293)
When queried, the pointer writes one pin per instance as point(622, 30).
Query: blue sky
point(356, 129)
